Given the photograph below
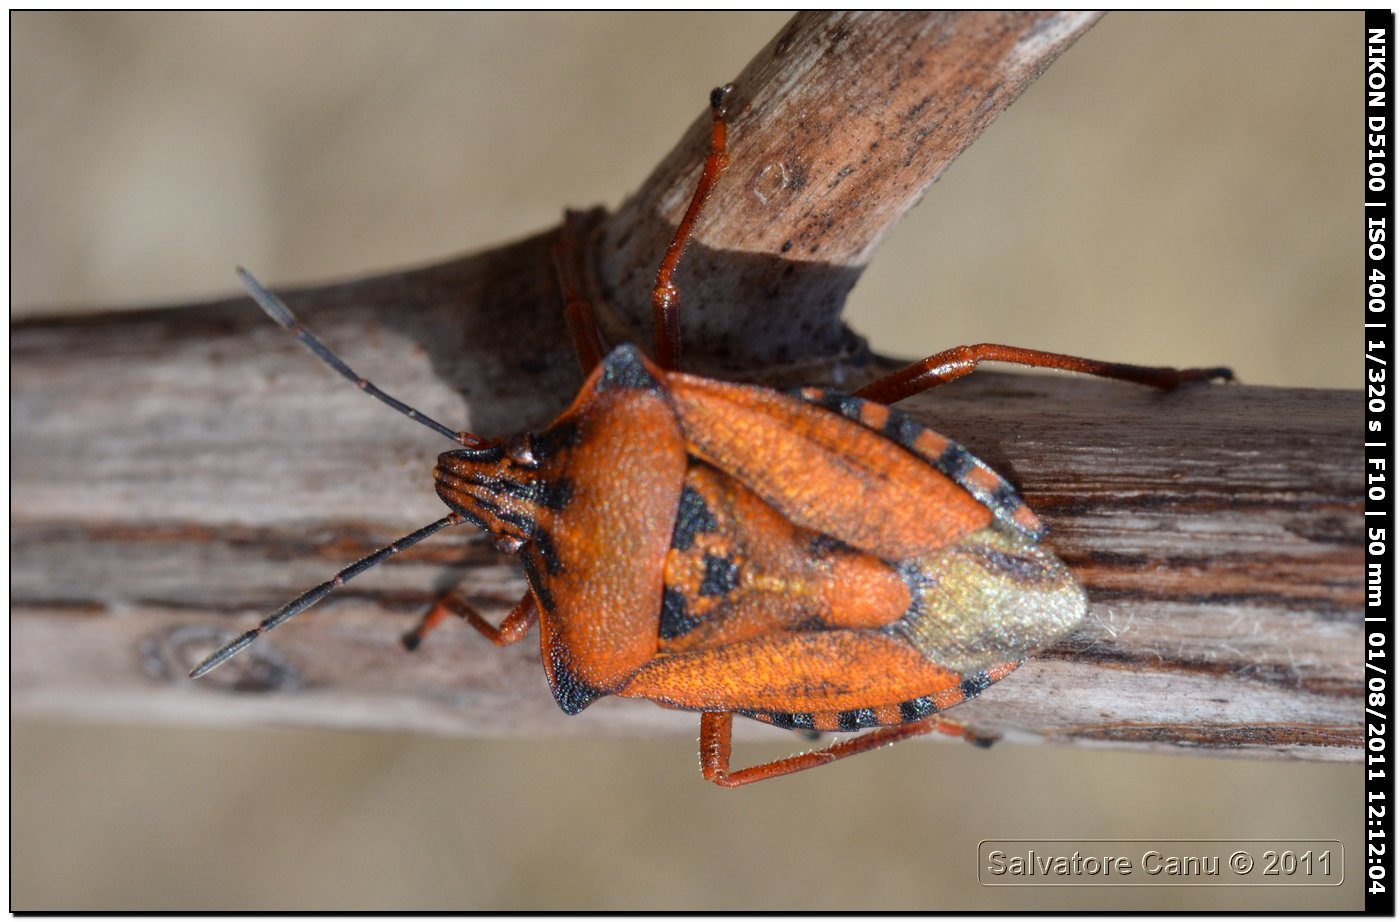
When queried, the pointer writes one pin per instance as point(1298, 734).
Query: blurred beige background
point(1176, 189)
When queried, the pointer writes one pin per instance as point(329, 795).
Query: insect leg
point(569, 251)
point(512, 630)
point(716, 728)
point(665, 297)
point(950, 364)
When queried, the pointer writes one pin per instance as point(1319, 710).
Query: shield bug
point(809, 559)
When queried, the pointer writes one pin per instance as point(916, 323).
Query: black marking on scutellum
point(692, 517)
point(623, 370)
point(676, 620)
point(721, 576)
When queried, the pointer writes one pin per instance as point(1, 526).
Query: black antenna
point(279, 312)
point(312, 596)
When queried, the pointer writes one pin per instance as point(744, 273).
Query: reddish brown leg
point(715, 737)
point(665, 298)
point(961, 360)
point(512, 630)
point(578, 311)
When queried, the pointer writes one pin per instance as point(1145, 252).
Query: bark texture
point(178, 473)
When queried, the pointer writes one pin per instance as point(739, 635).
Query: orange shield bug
point(808, 559)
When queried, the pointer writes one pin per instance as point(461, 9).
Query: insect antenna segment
point(274, 307)
point(312, 596)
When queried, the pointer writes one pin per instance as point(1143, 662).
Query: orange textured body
point(811, 559)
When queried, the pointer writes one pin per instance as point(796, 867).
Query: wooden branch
point(176, 474)
point(838, 127)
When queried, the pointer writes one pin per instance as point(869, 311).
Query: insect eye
point(519, 451)
point(509, 544)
